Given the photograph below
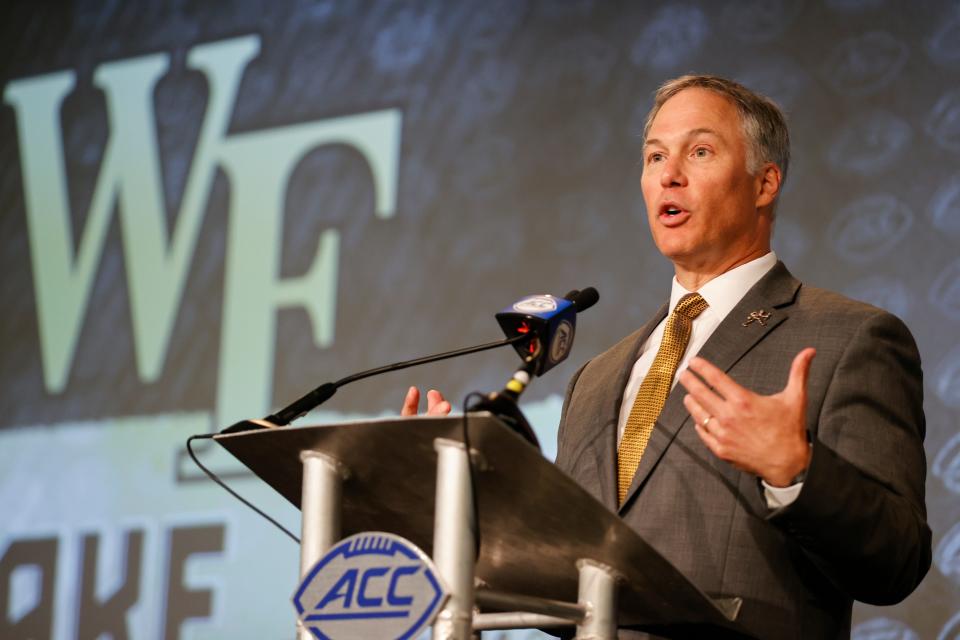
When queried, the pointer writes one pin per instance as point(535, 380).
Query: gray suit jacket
point(858, 529)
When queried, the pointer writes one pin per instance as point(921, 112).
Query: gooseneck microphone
point(543, 342)
point(313, 399)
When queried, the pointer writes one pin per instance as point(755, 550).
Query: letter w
point(129, 181)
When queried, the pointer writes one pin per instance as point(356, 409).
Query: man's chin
point(676, 252)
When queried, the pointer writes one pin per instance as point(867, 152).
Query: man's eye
point(654, 157)
point(701, 152)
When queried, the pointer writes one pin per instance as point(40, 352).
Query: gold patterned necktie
point(655, 388)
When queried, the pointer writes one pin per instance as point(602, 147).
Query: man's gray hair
point(764, 126)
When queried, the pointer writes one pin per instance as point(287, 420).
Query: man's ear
point(768, 184)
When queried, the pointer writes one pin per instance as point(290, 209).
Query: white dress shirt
point(722, 294)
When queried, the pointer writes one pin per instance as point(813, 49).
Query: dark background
point(519, 173)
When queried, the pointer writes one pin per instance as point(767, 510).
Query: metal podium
point(551, 555)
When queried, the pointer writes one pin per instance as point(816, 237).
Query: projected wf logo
point(258, 165)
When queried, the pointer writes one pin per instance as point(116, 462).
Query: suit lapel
point(620, 365)
point(730, 341)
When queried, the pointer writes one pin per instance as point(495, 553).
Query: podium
point(550, 554)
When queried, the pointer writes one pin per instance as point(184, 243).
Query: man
point(787, 466)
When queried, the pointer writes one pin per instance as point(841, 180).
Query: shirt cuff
point(779, 497)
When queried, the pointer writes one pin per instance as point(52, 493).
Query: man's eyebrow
point(693, 132)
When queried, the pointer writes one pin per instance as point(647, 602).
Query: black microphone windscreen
point(586, 299)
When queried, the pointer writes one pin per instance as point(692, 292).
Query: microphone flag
point(550, 322)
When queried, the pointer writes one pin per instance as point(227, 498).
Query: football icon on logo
point(371, 585)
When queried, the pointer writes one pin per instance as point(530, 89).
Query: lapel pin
point(760, 316)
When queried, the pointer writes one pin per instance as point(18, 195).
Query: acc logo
point(562, 341)
point(536, 304)
point(371, 585)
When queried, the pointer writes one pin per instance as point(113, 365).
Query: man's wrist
point(791, 474)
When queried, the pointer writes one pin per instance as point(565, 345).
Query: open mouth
point(671, 209)
point(672, 214)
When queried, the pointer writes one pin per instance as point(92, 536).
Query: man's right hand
point(436, 404)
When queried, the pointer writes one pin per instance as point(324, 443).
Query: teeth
point(672, 211)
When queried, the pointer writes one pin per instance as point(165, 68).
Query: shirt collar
point(726, 290)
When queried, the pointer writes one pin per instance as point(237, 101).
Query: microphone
point(551, 324)
point(583, 300)
point(325, 391)
point(313, 399)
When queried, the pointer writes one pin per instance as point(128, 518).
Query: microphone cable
point(472, 473)
point(213, 476)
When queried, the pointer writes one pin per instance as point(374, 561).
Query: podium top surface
point(535, 521)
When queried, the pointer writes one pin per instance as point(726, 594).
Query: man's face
point(702, 204)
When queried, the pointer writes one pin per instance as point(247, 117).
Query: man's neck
point(693, 277)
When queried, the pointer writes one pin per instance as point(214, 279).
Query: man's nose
point(672, 173)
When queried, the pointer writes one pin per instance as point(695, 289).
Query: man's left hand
point(762, 435)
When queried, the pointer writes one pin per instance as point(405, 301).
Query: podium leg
point(598, 593)
point(454, 540)
point(320, 508)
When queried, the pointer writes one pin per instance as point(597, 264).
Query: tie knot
point(691, 305)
